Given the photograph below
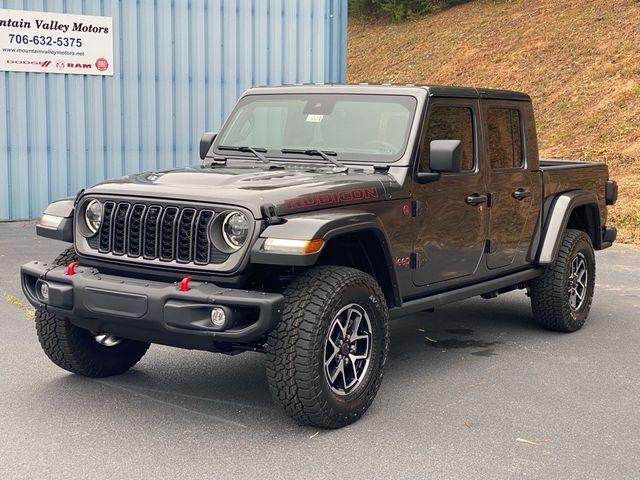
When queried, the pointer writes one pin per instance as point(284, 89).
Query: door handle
point(476, 199)
point(521, 194)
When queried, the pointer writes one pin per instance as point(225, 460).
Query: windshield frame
point(344, 157)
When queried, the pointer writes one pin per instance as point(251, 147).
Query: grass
point(578, 59)
point(28, 311)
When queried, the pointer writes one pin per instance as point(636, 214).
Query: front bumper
point(151, 311)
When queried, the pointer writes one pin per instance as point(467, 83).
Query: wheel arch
point(352, 239)
point(577, 210)
point(365, 249)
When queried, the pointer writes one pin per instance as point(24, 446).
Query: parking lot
point(474, 390)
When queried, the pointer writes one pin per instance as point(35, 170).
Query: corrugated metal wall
point(180, 65)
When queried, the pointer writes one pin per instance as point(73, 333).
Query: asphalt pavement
point(474, 390)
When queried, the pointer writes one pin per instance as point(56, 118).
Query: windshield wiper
point(318, 153)
point(257, 152)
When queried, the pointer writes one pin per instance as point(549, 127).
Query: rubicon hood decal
point(331, 198)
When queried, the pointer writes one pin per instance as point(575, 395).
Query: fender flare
point(558, 213)
point(63, 210)
point(323, 226)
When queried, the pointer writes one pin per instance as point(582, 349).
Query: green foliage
point(397, 10)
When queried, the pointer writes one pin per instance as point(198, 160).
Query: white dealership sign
point(55, 43)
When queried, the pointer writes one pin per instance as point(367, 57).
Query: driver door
point(453, 218)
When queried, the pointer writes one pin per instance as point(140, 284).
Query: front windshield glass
point(372, 128)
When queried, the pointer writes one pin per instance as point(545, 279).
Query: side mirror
point(205, 143)
point(445, 156)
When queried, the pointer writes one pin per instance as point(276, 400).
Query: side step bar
point(439, 299)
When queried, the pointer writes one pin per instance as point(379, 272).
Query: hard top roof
point(395, 89)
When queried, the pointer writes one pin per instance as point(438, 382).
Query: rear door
point(451, 230)
point(512, 185)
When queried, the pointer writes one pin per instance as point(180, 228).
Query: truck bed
point(560, 176)
point(552, 164)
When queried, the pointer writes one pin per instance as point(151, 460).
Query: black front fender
point(314, 226)
point(57, 221)
point(325, 226)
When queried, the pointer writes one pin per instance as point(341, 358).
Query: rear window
point(505, 138)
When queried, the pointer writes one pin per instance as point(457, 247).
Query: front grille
point(168, 233)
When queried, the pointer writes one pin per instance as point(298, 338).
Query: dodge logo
point(43, 63)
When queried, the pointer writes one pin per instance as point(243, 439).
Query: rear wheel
point(92, 354)
point(561, 297)
point(325, 360)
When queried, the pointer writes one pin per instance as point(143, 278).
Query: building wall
point(179, 65)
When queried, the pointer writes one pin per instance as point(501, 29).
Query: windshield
point(372, 128)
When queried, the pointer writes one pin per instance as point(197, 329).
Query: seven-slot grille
point(167, 233)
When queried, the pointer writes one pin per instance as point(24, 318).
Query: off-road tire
point(75, 349)
point(550, 291)
point(295, 348)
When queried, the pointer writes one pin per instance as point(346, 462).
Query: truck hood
point(293, 189)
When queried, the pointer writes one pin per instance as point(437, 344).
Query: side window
point(505, 138)
point(449, 123)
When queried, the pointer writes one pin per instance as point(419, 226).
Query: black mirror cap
point(205, 143)
point(445, 156)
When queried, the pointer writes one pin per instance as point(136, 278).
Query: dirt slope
point(578, 59)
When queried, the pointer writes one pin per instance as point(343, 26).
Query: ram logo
point(80, 65)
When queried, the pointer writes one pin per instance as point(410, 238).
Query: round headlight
point(93, 215)
point(235, 229)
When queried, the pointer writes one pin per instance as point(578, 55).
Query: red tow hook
point(184, 284)
point(71, 268)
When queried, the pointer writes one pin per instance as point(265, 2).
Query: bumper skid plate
point(150, 311)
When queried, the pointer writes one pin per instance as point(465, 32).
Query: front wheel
point(325, 359)
point(92, 354)
point(561, 297)
point(83, 352)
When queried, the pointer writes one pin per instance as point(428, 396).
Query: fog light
point(44, 291)
point(219, 317)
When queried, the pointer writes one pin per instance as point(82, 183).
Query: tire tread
point(291, 372)
point(548, 296)
point(70, 347)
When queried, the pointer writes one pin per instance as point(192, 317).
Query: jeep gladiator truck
point(319, 213)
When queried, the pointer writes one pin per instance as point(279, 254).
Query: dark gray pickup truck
point(318, 214)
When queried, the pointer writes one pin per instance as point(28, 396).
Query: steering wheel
point(381, 144)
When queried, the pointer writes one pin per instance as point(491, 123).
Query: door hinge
point(487, 246)
point(489, 200)
point(415, 208)
point(413, 260)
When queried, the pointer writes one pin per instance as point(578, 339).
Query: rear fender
point(559, 211)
